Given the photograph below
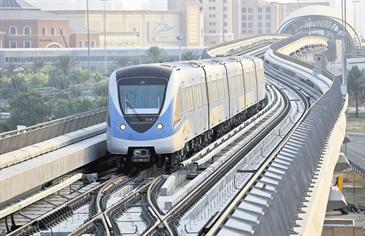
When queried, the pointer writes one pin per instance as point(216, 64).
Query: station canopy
point(325, 21)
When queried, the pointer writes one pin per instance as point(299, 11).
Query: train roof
point(157, 70)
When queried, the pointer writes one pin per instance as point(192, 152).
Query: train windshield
point(141, 95)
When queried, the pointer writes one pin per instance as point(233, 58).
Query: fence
point(17, 139)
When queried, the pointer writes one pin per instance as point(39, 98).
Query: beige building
point(140, 28)
point(192, 21)
point(217, 21)
point(256, 17)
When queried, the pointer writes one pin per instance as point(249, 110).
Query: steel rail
point(253, 179)
point(199, 191)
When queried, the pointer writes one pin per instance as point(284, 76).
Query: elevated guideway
point(297, 183)
point(36, 155)
point(290, 195)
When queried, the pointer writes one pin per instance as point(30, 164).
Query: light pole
point(105, 52)
point(343, 36)
point(88, 37)
point(354, 3)
point(178, 37)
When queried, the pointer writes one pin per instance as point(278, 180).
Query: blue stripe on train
point(116, 119)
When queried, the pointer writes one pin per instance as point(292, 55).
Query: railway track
point(103, 206)
point(171, 220)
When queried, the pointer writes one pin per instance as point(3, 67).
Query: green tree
point(356, 84)
point(18, 81)
point(189, 55)
point(154, 54)
point(66, 107)
point(28, 108)
point(37, 79)
point(63, 73)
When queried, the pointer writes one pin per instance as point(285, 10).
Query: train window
point(203, 94)
point(190, 99)
point(141, 95)
point(185, 100)
point(197, 96)
point(178, 108)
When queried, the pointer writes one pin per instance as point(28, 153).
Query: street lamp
point(179, 38)
point(343, 36)
point(104, 26)
point(88, 37)
point(354, 3)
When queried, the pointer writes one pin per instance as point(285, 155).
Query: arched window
point(12, 30)
point(44, 31)
point(53, 31)
point(27, 30)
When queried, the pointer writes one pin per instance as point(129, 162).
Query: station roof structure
point(322, 20)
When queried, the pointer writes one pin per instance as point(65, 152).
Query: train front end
point(141, 125)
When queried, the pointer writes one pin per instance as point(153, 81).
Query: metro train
point(162, 113)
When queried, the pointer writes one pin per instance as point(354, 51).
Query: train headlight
point(122, 127)
point(159, 126)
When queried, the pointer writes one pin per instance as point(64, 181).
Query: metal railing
point(293, 167)
point(17, 139)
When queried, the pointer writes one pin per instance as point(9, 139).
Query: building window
point(268, 9)
point(259, 9)
point(81, 44)
point(244, 25)
point(27, 30)
point(249, 25)
point(12, 44)
point(44, 31)
point(249, 10)
point(12, 30)
point(259, 31)
point(244, 17)
point(93, 44)
point(243, 10)
point(267, 17)
point(259, 17)
point(62, 31)
point(27, 44)
point(250, 17)
point(53, 31)
point(259, 25)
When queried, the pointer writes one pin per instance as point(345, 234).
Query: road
point(356, 150)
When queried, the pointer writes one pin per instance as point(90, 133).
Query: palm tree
point(356, 83)
point(66, 64)
point(189, 55)
point(154, 54)
point(63, 73)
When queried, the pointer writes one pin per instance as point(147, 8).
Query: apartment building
point(217, 21)
point(191, 23)
point(253, 17)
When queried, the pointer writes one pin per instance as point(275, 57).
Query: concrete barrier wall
point(315, 209)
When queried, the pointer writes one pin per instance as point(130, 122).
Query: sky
point(98, 4)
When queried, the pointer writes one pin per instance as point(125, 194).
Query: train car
point(165, 112)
